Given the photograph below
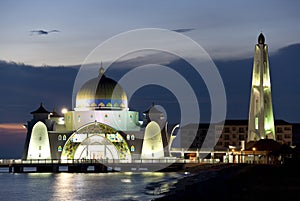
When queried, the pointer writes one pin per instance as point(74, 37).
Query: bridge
point(97, 165)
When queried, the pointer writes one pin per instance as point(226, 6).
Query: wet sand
point(240, 182)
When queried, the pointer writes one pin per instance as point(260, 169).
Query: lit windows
point(59, 149)
point(64, 137)
point(132, 148)
point(132, 137)
point(128, 137)
point(59, 137)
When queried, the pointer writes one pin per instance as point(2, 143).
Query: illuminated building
point(235, 132)
point(261, 119)
point(101, 126)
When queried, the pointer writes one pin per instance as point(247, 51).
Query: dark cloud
point(23, 87)
point(183, 30)
point(43, 32)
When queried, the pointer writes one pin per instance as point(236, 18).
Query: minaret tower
point(261, 119)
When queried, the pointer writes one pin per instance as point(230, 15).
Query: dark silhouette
point(182, 30)
point(42, 32)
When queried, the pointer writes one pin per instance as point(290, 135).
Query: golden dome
point(101, 93)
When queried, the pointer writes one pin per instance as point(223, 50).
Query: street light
point(253, 149)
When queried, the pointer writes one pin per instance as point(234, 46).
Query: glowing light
point(126, 180)
point(64, 110)
point(253, 149)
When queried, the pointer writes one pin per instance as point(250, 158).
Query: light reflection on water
point(83, 187)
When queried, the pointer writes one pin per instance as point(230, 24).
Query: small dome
point(101, 93)
point(261, 39)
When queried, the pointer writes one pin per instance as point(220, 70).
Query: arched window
point(128, 137)
point(59, 149)
point(132, 148)
point(64, 137)
point(132, 137)
point(59, 137)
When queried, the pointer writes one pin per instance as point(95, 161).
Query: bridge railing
point(103, 161)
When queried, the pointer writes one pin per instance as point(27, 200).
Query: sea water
point(91, 186)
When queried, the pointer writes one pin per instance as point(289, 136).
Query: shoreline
point(237, 182)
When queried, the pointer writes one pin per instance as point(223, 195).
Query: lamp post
point(253, 149)
point(232, 150)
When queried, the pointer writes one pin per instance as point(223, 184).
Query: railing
point(4, 162)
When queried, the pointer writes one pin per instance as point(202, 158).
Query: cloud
point(23, 87)
point(42, 32)
point(183, 30)
point(9, 128)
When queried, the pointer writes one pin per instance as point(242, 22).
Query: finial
point(261, 39)
point(101, 70)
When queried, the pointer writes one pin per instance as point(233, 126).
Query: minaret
point(261, 119)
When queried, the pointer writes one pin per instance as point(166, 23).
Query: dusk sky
point(227, 30)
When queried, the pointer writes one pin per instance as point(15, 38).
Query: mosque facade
point(101, 126)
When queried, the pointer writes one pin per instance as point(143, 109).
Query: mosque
point(101, 126)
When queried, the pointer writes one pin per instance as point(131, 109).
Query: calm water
point(67, 186)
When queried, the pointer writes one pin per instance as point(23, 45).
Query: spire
point(101, 70)
point(261, 118)
point(54, 113)
point(261, 39)
point(41, 109)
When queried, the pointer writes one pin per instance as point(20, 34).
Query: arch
point(132, 148)
point(39, 146)
point(132, 137)
point(96, 147)
point(59, 148)
point(152, 144)
point(96, 141)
